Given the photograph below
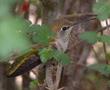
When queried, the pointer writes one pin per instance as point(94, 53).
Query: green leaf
point(43, 34)
point(33, 84)
point(46, 54)
point(13, 37)
point(108, 56)
point(61, 57)
point(104, 38)
point(102, 9)
point(90, 37)
point(49, 53)
point(102, 68)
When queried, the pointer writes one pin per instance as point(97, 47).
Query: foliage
point(102, 9)
point(6, 7)
point(33, 84)
point(49, 53)
point(105, 39)
point(102, 68)
point(41, 34)
point(46, 54)
point(12, 36)
point(90, 37)
point(13, 29)
point(61, 57)
point(93, 37)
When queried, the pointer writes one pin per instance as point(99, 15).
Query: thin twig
point(107, 25)
point(95, 53)
point(34, 72)
point(49, 79)
point(86, 20)
point(103, 28)
point(80, 67)
point(104, 45)
point(58, 75)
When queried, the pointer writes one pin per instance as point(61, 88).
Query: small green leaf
point(61, 57)
point(46, 54)
point(49, 53)
point(102, 68)
point(43, 34)
point(90, 37)
point(102, 9)
point(33, 84)
point(104, 38)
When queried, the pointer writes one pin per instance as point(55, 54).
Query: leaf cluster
point(102, 68)
point(44, 35)
point(102, 9)
point(93, 37)
point(49, 53)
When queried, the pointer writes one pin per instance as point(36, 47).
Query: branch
point(80, 67)
point(49, 80)
point(58, 76)
point(51, 84)
point(103, 28)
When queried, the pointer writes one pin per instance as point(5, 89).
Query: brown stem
point(95, 53)
point(58, 76)
point(104, 46)
point(80, 67)
point(49, 79)
point(103, 29)
point(105, 52)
